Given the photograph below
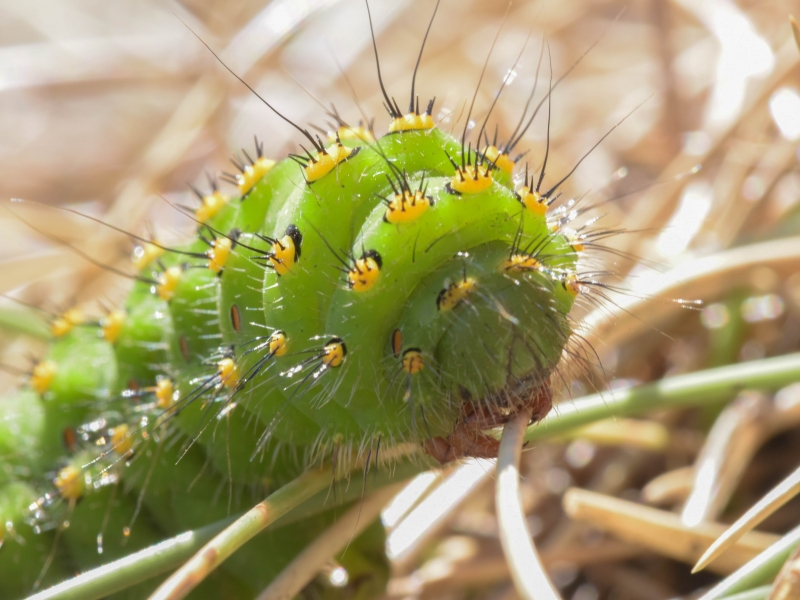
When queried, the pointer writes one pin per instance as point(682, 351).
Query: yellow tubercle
point(112, 324)
point(571, 284)
point(212, 204)
point(165, 393)
point(333, 353)
point(283, 255)
point(412, 361)
point(364, 274)
point(453, 294)
point(573, 238)
point(277, 343)
point(252, 174)
point(533, 201)
point(228, 372)
point(145, 254)
point(42, 377)
point(500, 159)
point(471, 179)
point(519, 263)
point(326, 161)
point(411, 122)
point(69, 483)
point(219, 253)
point(64, 323)
point(347, 133)
point(167, 282)
point(406, 207)
point(121, 440)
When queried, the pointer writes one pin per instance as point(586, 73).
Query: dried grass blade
point(305, 565)
point(671, 486)
point(258, 518)
point(526, 567)
point(631, 433)
point(787, 583)
point(777, 497)
point(659, 530)
point(730, 446)
point(759, 571)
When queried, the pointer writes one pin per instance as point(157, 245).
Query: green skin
point(20, 435)
point(141, 350)
point(510, 332)
point(294, 428)
point(468, 351)
point(85, 380)
point(21, 563)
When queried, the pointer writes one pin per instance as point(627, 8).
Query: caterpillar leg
point(468, 438)
point(465, 441)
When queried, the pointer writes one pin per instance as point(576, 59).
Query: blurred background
point(105, 107)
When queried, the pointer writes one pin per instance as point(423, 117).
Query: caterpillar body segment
point(257, 209)
point(353, 204)
point(97, 534)
point(240, 293)
point(20, 437)
point(523, 329)
point(193, 310)
point(229, 433)
point(456, 224)
point(143, 342)
point(327, 212)
point(84, 379)
point(25, 548)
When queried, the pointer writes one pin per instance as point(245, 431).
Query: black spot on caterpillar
point(248, 358)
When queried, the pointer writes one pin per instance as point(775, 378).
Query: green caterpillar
point(365, 294)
